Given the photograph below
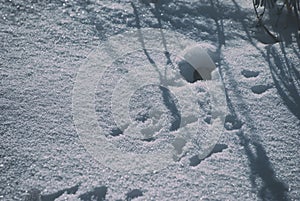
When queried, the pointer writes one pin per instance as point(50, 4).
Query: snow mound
point(198, 105)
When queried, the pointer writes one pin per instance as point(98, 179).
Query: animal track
point(249, 73)
point(259, 89)
point(35, 194)
point(133, 194)
point(232, 122)
point(194, 161)
point(97, 193)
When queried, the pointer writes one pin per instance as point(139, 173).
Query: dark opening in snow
point(188, 72)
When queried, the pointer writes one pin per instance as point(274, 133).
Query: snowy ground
point(44, 44)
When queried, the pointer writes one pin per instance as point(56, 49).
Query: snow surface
point(45, 44)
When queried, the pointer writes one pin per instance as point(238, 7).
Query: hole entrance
point(188, 72)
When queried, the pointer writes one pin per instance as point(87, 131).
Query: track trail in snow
point(43, 44)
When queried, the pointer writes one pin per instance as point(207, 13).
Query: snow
point(135, 75)
point(53, 91)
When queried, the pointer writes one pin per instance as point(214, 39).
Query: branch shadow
point(285, 24)
point(259, 162)
point(260, 166)
point(173, 15)
point(167, 97)
point(282, 70)
point(286, 78)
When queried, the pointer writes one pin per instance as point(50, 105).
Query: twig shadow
point(261, 168)
point(286, 78)
point(167, 97)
